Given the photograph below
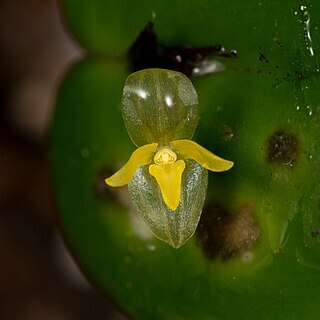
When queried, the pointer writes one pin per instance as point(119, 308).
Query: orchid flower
point(167, 174)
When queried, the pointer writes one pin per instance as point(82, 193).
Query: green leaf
point(256, 253)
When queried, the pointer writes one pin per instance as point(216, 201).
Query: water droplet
point(129, 285)
point(207, 67)
point(195, 71)
point(307, 29)
point(178, 58)
point(234, 52)
point(85, 153)
point(151, 247)
point(227, 133)
point(304, 258)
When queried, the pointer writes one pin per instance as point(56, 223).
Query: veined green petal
point(172, 226)
point(140, 157)
point(168, 177)
point(191, 150)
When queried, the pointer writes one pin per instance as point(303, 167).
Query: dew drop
point(85, 153)
point(151, 247)
point(129, 285)
point(306, 260)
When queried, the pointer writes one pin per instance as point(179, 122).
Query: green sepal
point(172, 226)
point(159, 106)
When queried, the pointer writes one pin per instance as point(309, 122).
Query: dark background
point(38, 278)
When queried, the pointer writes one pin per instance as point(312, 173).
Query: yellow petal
point(140, 157)
point(190, 150)
point(168, 177)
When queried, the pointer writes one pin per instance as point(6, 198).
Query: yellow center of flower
point(165, 156)
point(167, 171)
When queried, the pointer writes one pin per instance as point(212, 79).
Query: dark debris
point(147, 52)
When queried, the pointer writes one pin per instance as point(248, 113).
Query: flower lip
point(164, 156)
point(168, 177)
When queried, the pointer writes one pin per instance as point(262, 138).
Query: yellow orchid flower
point(166, 169)
point(167, 175)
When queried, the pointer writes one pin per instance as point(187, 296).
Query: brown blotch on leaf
point(224, 235)
point(101, 189)
point(282, 149)
point(315, 233)
point(110, 194)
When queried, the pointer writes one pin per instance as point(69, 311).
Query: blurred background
point(38, 278)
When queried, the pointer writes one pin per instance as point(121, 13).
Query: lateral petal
point(168, 177)
point(140, 157)
point(191, 150)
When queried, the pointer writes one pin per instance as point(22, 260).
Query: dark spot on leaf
point(106, 193)
point(227, 133)
point(300, 76)
point(282, 148)
point(224, 235)
point(262, 57)
point(101, 189)
point(315, 233)
point(147, 52)
point(279, 43)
